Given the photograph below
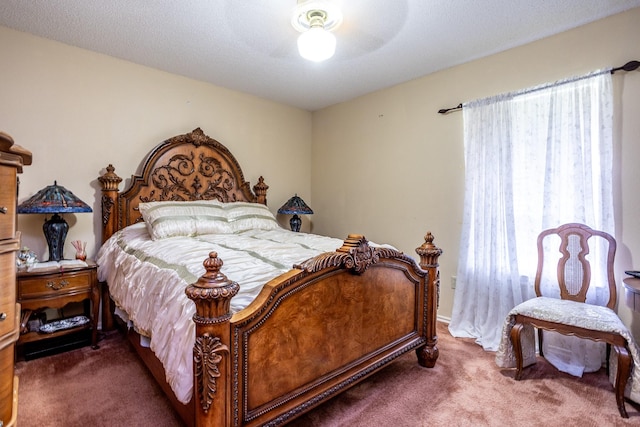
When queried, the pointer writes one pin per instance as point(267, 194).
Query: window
point(534, 159)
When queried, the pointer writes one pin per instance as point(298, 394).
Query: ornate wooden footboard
point(311, 333)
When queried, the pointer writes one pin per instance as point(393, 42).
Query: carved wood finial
point(261, 191)
point(429, 253)
point(353, 241)
point(212, 293)
point(110, 180)
point(196, 137)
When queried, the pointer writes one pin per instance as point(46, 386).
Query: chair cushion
point(572, 313)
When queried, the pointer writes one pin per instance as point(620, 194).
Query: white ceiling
point(250, 45)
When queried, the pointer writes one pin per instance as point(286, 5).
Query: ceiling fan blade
point(365, 29)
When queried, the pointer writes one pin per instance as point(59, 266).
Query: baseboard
point(444, 319)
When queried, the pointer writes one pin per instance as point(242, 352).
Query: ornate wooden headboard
point(192, 166)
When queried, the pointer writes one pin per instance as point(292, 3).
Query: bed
point(323, 314)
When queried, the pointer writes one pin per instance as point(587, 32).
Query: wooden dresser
point(12, 158)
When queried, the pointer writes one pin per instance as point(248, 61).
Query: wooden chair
point(571, 315)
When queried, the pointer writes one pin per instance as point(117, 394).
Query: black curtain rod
point(629, 66)
point(446, 110)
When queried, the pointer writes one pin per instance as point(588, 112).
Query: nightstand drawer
point(7, 316)
point(53, 284)
point(7, 202)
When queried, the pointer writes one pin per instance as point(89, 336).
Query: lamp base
point(55, 231)
point(295, 222)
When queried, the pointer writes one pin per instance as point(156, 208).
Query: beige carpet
point(85, 387)
point(110, 387)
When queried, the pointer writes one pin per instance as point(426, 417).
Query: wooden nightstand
point(632, 292)
point(55, 289)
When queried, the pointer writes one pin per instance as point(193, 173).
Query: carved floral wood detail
point(205, 171)
point(107, 207)
point(186, 177)
point(187, 167)
point(355, 254)
point(206, 358)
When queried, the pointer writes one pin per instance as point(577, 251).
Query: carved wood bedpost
point(109, 182)
point(261, 191)
point(429, 254)
point(212, 295)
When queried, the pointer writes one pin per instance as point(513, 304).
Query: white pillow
point(193, 218)
point(168, 219)
point(242, 216)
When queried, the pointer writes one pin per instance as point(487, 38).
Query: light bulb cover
point(315, 19)
point(316, 44)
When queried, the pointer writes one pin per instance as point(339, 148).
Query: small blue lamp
point(295, 206)
point(54, 199)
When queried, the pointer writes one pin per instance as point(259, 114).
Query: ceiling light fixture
point(315, 19)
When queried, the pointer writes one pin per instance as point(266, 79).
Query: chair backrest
point(574, 270)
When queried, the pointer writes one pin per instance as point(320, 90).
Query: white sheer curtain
point(534, 159)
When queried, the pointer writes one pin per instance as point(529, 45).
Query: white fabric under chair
point(570, 313)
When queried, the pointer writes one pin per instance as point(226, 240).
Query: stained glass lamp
point(295, 206)
point(54, 199)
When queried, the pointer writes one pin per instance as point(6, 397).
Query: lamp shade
point(53, 199)
point(295, 205)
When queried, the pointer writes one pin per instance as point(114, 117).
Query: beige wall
point(387, 165)
point(78, 111)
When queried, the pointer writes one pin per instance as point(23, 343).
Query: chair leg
point(624, 369)
point(516, 331)
point(540, 332)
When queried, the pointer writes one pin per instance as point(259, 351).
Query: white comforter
point(147, 280)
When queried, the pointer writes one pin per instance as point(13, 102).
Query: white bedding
point(147, 280)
